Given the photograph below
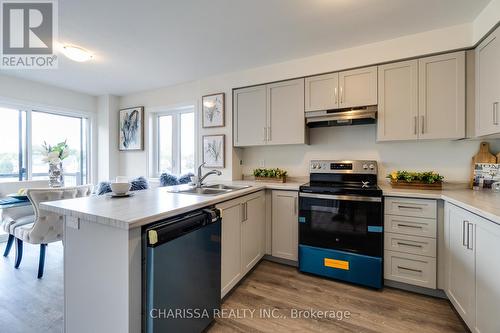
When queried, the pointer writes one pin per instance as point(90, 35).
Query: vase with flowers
point(54, 155)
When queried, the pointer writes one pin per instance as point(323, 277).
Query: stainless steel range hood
point(343, 117)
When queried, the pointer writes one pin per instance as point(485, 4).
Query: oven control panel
point(325, 166)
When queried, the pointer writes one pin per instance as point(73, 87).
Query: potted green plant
point(409, 179)
point(276, 175)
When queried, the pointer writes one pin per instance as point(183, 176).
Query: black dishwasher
point(182, 272)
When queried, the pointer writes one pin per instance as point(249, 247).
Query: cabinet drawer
point(411, 207)
point(410, 244)
point(410, 268)
point(413, 226)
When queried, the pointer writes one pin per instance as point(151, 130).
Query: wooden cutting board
point(483, 156)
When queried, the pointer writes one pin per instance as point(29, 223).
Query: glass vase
point(56, 176)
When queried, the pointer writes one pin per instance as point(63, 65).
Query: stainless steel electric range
point(341, 222)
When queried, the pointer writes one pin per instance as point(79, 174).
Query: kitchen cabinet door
point(286, 118)
point(285, 227)
point(487, 273)
point(487, 85)
point(461, 289)
point(230, 244)
point(442, 96)
point(358, 87)
point(253, 233)
point(322, 92)
point(250, 120)
point(398, 101)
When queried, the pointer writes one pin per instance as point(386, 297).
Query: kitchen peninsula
point(102, 244)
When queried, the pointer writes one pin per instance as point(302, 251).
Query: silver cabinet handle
point(464, 224)
point(470, 237)
point(410, 226)
point(408, 244)
point(422, 118)
point(409, 207)
point(410, 269)
point(335, 95)
point(341, 95)
point(415, 127)
point(495, 113)
point(265, 133)
point(244, 212)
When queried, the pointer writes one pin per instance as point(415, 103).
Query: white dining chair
point(47, 226)
point(16, 216)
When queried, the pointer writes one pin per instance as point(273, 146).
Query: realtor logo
point(28, 34)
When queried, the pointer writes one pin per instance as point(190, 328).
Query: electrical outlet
point(262, 163)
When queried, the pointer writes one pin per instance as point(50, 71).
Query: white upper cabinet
point(250, 116)
point(422, 99)
point(358, 87)
point(441, 105)
point(269, 114)
point(322, 92)
point(488, 85)
point(398, 101)
point(348, 89)
point(286, 120)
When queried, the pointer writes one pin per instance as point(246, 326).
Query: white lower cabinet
point(410, 245)
point(253, 232)
point(285, 241)
point(472, 244)
point(487, 277)
point(243, 237)
point(461, 281)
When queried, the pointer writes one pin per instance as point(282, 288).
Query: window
point(21, 154)
point(176, 141)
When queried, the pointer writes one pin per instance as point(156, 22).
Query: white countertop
point(150, 205)
point(159, 203)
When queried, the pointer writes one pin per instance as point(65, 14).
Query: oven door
point(342, 222)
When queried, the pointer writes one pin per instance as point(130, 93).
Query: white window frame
point(29, 109)
point(176, 113)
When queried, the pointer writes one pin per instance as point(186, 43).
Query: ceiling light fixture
point(76, 53)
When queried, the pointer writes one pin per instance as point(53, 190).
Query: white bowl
point(120, 188)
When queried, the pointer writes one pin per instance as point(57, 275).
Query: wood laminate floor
point(28, 304)
point(275, 286)
point(31, 305)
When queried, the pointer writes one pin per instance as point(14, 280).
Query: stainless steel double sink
point(214, 189)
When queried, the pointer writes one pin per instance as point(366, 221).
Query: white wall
point(487, 19)
point(107, 133)
point(136, 163)
point(18, 90)
point(450, 158)
point(324, 144)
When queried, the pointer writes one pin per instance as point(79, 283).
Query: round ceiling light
point(76, 53)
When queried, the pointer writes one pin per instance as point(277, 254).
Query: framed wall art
point(213, 110)
point(131, 128)
point(213, 150)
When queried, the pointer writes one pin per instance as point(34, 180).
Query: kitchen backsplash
point(450, 158)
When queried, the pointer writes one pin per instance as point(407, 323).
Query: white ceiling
point(141, 45)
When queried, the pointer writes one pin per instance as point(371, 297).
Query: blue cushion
point(103, 188)
point(139, 183)
point(185, 179)
point(167, 179)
